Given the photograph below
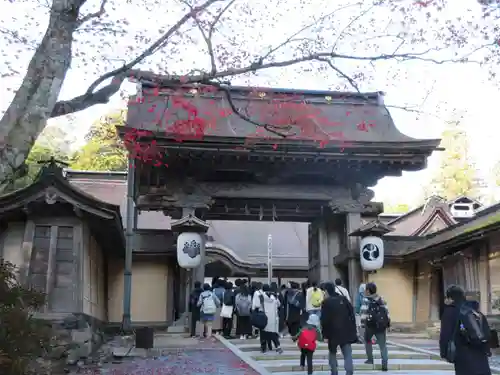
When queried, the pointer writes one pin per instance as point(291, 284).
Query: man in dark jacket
point(193, 307)
point(469, 359)
point(294, 303)
point(338, 324)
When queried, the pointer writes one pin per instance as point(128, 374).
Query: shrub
point(22, 337)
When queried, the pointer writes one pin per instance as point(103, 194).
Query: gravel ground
point(202, 357)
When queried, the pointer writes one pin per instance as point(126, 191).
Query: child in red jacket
point(307, 339)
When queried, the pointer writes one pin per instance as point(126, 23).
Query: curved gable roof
point(51, 179)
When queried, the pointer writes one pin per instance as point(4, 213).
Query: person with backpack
point(243, 302)
point(294, 303)
point(227, 310)
point(464, 335)
point(193, 307)
point(306, 340)
point(374, 316)
point(341, 290)
point(208, 304)
point(338, 326)
point(314, 299)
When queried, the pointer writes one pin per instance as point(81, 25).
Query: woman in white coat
point(270, 303)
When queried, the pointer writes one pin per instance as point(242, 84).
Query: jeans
point(382, 344)
point(307, 356)
point(348, 363)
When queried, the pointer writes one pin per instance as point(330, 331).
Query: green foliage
point(456, 174)
point(52, 142)
point(22, 338)
point(104, 151)
point(490, 221)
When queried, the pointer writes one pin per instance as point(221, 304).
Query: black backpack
point(378, 318)
point(473, 326)
point(294, 300)
point(258, 319)
point(228, 298)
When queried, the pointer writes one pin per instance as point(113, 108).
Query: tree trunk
point(32, 105)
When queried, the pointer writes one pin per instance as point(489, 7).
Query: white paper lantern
point(371, 253)
point(189, 249)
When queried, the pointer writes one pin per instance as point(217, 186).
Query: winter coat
point(338, 322)
point(469, 360)
point(292, 313)
point(306, 326)
point(270, 307)
point(208, 294)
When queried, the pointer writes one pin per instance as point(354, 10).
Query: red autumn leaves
point(193, 113)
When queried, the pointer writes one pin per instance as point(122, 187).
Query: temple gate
point(223, 176)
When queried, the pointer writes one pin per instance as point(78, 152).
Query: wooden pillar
point(324, 245)
point(353, 222)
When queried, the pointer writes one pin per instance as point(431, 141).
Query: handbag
point(226, 311)
point(258, 319)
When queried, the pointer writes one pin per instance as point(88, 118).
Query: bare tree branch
point(292, 37)
point(355, 19)
point(341, 73)
point(260, 65)
point(99, 13)
point(104, 94)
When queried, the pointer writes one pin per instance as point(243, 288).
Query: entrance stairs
point(401, 360)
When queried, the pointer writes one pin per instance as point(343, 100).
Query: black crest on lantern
point(192, 248)
point(370, 252)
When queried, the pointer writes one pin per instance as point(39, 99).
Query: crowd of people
point(309, 312)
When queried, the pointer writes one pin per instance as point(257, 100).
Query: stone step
point(283, 365)
point(323, 354)
point(377, 372)
point(405, 360)
point(409, 335)
point(249, 345)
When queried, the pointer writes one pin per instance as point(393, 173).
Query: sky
point(444, 91)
